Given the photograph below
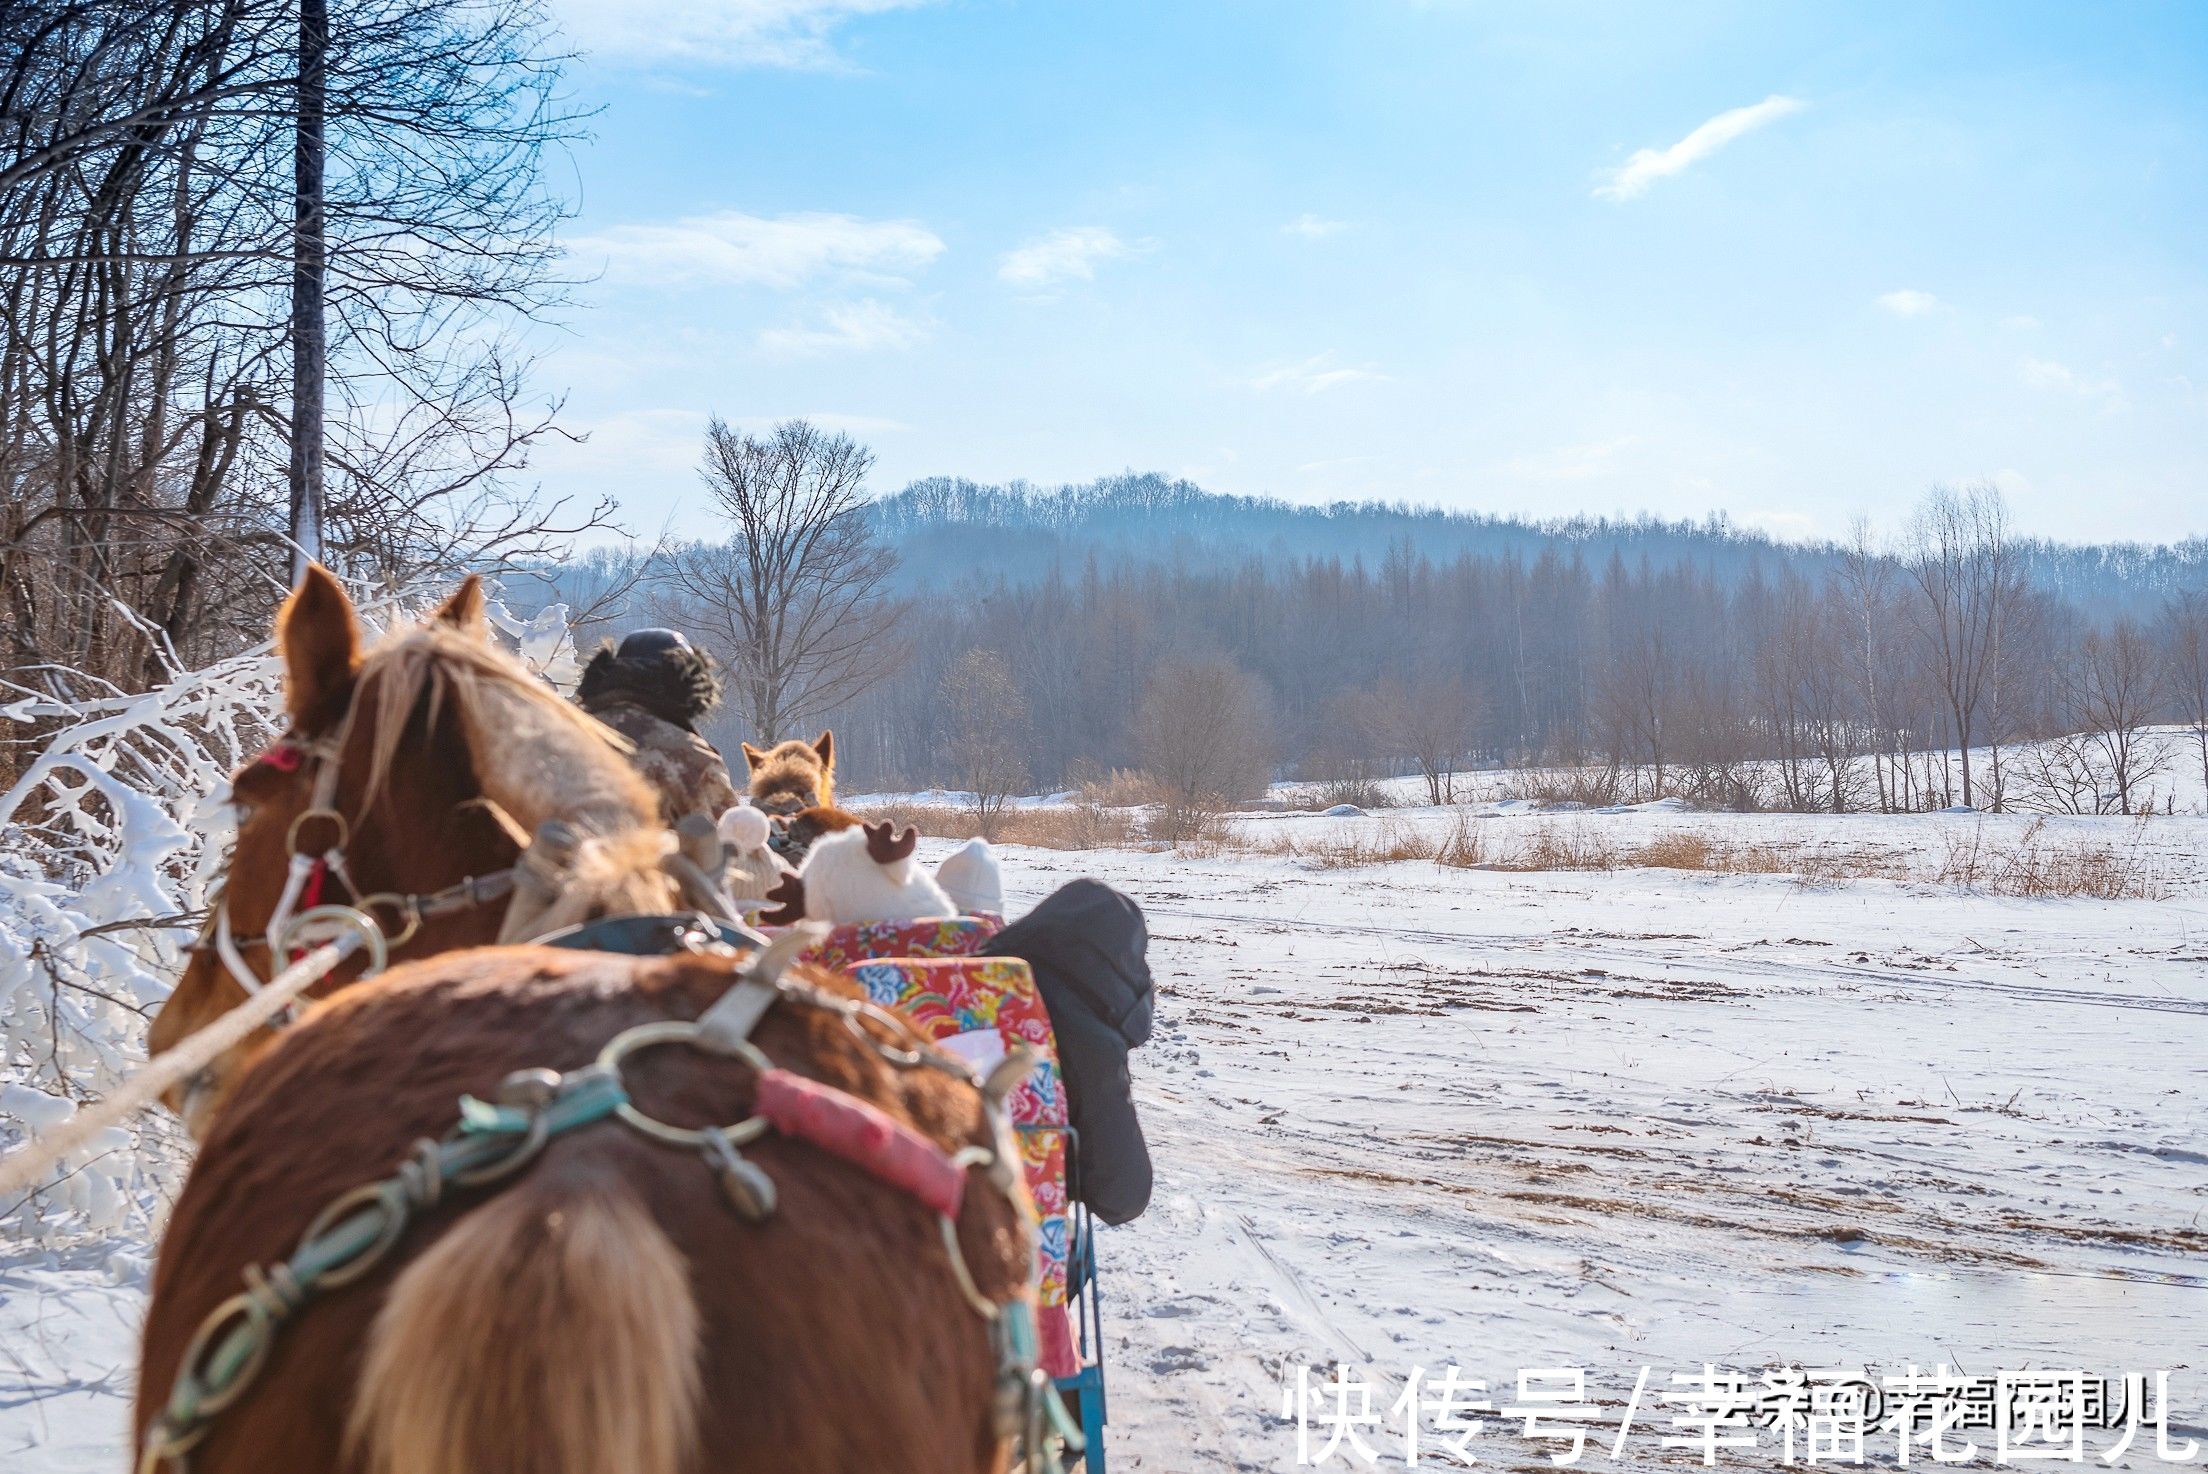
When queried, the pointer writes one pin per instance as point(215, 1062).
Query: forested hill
point(943, 524)
point(947, 528)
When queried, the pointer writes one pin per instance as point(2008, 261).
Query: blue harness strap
point(647, 936)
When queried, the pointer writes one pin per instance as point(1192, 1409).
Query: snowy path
point(1412, 1116)
point(1417, 1116)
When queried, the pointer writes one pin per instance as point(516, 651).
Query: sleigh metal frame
point(1085, 1388)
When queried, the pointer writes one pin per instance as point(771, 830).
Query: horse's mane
point(536, 756)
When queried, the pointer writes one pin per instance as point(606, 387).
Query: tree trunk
point(309, 262)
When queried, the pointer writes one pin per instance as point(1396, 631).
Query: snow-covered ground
point(1406, 1116)
point(1413, 1116)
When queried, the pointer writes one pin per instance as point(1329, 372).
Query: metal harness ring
point(375, 1197)
point(344, 918)
point(407, 908)
point(344, 829)
point(242, 1309)
point(679, 1031)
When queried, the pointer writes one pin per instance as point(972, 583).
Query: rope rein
point(29, 1163)
point(318, 941)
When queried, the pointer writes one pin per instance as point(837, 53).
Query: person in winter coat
point(1086, 944)
point(654, 690)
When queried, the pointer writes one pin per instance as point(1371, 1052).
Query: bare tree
point(1967, 575)
point(2115, 693)
point(796, 602)
point(1866, 582)
point(2185, 654)
point(1428, 720)
point(1205, 740)
point(150, 215)
point(309, 283)
point(985, 746)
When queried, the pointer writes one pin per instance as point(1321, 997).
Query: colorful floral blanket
point(979, 1007)
point(958, 998)
point(940, 936)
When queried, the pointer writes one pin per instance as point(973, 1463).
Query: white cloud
point(1069, 253)
point(1312, 227)
point(781, 251)
point(2045, 373)
point(1909, 303)
point(1632, 179)
point(762, 33)
point(1315, 376)
point(846, 327)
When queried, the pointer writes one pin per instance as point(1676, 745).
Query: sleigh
point(979, 1007)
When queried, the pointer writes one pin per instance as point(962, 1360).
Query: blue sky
point(1792, 262)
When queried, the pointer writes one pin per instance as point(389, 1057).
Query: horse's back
point(831, 1335)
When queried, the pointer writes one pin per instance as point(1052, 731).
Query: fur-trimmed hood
point(678, 686)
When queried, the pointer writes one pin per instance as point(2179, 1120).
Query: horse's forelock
point(509, 718)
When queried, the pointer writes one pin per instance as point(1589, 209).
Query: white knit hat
point(970, 877)
point(749, 868)
point(743, 829)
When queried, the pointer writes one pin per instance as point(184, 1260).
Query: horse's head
point(403, 773)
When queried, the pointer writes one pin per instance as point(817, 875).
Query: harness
point(495, 1139)
point(303, 917)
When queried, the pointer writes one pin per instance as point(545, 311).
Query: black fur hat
point(669, 677)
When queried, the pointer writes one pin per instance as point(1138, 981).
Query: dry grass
point(1365, 793)
point(2026, 863)
point(1590, 787)
point(1120, 788)
point(2033, 864)
point(1989, 859)
point(1562, 847)
point(1081, 826)
point(1386, 843)
point(1687, 850)
point(1837, 867)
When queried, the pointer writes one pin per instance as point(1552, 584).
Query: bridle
point(302, 918)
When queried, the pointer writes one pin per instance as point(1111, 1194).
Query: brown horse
point(403, 716)
point(605, 1311)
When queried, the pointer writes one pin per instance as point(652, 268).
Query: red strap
point(864, 1136)
point(310, 895)
point(285, 757)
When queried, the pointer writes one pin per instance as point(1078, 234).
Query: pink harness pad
point(863, 1136)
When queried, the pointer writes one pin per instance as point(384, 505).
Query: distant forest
point(1375, 639)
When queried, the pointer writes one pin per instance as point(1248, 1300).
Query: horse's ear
point(464, 610)
point(826, 747)
point(753, 757)
point(320, 640)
